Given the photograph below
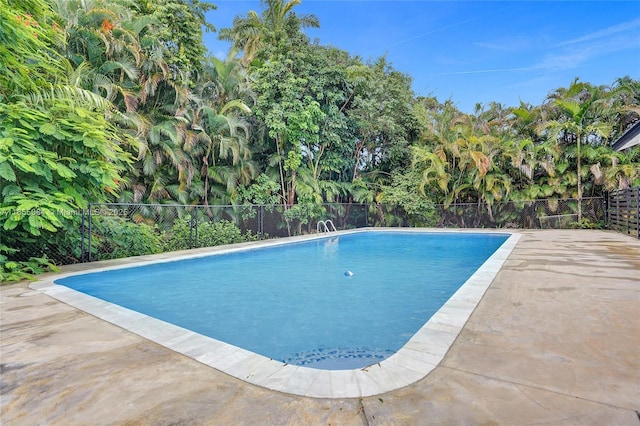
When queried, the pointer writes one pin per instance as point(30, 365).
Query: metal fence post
point(90, 229)
point(196, 222)
point(191, 230)
point(261, 220)
point(82, 232)
point(366, 214)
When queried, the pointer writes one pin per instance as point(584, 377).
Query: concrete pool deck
point(555, 339)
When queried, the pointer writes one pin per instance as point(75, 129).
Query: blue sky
point(475, 51)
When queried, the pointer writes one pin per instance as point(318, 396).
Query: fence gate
point(622, 214)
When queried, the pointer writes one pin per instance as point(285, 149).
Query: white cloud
point(491, 70)
point(515, 44)
point(615, 29)
point(575, 55)
point(571, 57)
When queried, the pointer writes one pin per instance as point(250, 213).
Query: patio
point(555, 340)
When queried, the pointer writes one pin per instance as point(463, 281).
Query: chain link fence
point(111, 231)
point(538, 214)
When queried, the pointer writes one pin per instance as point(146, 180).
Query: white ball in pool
point(348, 274)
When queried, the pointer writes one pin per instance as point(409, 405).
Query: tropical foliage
point(184, 236)
point(117, 101)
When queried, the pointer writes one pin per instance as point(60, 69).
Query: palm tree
point(525, 121)
point(228, 81)
point(250, 34)
point(433, 167)
point(584, 119)
point(217, 134)
point(99, 61)
point(626, 101)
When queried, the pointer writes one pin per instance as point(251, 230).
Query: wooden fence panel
point(623, 211)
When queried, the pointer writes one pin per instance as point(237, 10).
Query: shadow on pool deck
point(555, 340)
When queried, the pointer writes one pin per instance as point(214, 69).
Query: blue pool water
point(294, 302)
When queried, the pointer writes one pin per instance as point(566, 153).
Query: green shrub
point(585, 223)
point(403, 193)
point(304, 214)
point(114, 238)
point(181, 237)
point(11, 271)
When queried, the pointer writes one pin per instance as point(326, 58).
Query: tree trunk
point(291, 196)
point(359, 147)
point(579, 181)
point(282, 184)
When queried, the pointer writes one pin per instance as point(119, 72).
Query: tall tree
point(585, 119)
point(285, 104)
point(181, 30)
point(382, 111)
point(219, 134)
point(252, 33)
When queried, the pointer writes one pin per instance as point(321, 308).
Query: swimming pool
point(406, 359)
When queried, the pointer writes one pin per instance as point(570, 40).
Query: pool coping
point(414, 361)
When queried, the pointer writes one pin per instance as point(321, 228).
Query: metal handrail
point(323, 226)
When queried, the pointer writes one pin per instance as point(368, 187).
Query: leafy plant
point(11, 271)
point(185, 235)
point(585, 223)
point(402, 192)
point(114, 238)
point(60, 146)
point(263, 192)
point(304, 214)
